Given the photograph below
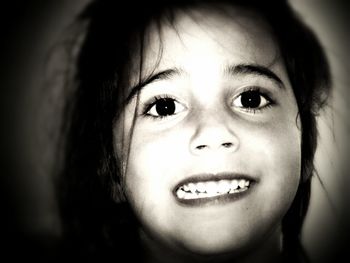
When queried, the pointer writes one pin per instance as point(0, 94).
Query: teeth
point(242, 183)
point(192, 187)
point(180, 193)
point(200, 187)
point(234, 184)
point(202, 195)
point(186, 188)
point(211, 188)
point(187, 196)
point(224, 186)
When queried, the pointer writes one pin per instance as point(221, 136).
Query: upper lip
point(205, 177)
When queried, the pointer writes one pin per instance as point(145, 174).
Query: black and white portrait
point(175, 131)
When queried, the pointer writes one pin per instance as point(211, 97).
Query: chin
point(214, 245)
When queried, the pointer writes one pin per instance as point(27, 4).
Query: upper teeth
point(211, 188)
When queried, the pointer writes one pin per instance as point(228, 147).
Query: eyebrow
point(162, 75)
point(254, 69)
point(239, 69)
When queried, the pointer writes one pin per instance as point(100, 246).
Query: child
point(191, 134)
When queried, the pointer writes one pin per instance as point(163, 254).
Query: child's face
point(220, 113)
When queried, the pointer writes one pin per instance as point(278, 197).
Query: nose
point(213, 134)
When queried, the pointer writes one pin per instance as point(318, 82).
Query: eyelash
point(262, 93)
point(149, 105)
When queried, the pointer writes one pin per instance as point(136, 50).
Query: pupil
point(250, 99)
point(165, 107)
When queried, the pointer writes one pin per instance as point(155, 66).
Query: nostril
point(227, 144)
point(200, 147)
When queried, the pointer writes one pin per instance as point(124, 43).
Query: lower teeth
point(189, 195)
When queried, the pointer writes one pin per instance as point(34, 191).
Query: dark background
point(29, 222)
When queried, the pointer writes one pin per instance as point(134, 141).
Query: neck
point(269, 250)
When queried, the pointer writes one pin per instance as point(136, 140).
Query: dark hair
point(90, 180)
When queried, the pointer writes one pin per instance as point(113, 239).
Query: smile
point(212, 188)
point(208, 188)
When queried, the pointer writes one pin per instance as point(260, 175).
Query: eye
point(163, 107)
point(251, 99)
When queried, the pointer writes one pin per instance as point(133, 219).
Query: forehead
point(224, 30)
point(204, 38)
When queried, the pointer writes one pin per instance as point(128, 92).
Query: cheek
point(284, 164)
point(277, 156)
point(153, 164)
point(281, 149)
point(149, 170)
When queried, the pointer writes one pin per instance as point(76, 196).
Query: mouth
point(208, 188)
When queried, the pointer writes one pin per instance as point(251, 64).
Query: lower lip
point(215, 200)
